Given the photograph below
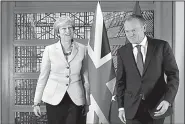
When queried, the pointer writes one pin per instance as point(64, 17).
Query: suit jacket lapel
point(74, 52)
point(149, 54)
point(60, 51)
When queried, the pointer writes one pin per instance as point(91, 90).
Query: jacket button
point(67, 67)
point(66, 84)
point(67, 76)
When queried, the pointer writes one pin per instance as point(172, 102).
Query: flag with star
point(101, 72)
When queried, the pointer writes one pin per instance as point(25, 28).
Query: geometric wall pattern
point(27, 59)
point(30, 118)
point(40, 25)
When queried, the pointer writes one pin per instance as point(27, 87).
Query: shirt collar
point(143, 43)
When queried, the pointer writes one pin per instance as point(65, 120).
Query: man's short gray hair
point(133, 16)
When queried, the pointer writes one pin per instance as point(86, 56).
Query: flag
point(136, 11)
point(114, 119)
point(101, 71)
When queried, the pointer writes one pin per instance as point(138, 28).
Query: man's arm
point(120, 81)
point(172, 72)
point(120, 87)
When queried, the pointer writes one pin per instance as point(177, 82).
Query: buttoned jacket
point(131, 86)
point(59, 75)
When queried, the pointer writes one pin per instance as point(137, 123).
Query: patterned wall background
point(40, 25)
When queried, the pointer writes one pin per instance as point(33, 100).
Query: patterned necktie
point(140, 64)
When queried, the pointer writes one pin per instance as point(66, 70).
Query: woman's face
point(66, 33)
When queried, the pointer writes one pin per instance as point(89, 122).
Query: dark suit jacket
point(131, 85)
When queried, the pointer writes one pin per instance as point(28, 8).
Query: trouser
point(66, 112)
point(143, 117)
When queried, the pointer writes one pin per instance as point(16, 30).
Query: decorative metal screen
point(39, 26)
point(28, 58)
point(30, 118)
point(114, 23)
point(25, 91)
point(114, 54)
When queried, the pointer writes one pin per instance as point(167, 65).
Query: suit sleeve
point(172, 73)
point(43, 77)
point(85, 78)
point(120, 81)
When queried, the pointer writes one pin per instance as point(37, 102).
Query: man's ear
point(144, 27)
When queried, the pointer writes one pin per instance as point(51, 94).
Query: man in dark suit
point(144, 97)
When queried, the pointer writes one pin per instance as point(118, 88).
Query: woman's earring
point(58, 36)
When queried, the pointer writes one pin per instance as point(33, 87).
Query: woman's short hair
point(61, 22)
point(134, 16)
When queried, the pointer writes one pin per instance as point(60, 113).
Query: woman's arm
point(43, 77)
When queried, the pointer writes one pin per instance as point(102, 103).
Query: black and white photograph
point(91, 62)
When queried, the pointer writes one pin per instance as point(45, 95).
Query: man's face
point(66, 32)
point(134, 31)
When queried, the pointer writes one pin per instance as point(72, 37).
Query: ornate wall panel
point(40, 25)
point(28, 58)
point(29, 118)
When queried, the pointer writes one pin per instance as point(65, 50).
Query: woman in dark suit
point(63, 81)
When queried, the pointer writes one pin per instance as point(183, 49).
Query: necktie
point(140, 64)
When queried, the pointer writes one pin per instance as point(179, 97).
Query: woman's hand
point(36, 110)
point(85, 110)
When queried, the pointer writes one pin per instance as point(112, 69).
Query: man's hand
point(162, 108)
point(122, 116)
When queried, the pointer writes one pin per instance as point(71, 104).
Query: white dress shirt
point(144, 45)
